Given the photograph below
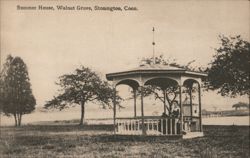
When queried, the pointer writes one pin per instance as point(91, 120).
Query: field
point(89, 141)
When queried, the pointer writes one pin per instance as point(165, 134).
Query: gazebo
point(188, 123)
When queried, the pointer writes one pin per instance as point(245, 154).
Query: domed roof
point(156, 67)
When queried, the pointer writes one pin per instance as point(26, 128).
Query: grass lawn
point(98, 141)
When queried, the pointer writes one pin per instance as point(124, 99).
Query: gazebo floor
point(147, 137)
point(188, 135)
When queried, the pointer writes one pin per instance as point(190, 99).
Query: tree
point(79, 88)
point(167, 94)
point(170, 92)
point(229, 71)
point(240, 105)
point(15, 89)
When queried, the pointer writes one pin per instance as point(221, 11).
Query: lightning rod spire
point(153, 43)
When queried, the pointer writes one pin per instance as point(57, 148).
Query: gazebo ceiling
point(155, 69)
point(162, 82)
point(133, 84)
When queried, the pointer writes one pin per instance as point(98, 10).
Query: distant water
point(69, 115)
point(232, 120)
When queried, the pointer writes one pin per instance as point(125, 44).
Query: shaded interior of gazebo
point(188, 118)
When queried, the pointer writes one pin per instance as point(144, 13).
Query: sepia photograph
point(118, 79)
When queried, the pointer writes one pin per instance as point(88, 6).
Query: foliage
point(79, 88)
point(160, 60)
point(15, 90)
point(229, 72)
point(240, 105)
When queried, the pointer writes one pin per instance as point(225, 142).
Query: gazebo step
point(190, 135)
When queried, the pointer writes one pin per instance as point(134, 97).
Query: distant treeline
point(242, 112)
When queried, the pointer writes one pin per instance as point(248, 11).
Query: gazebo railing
point(153, 125)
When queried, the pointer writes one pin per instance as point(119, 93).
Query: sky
point(53, 43)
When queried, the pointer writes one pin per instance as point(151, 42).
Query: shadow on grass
point(135, 138)
point(219, 141)
point(61, 128)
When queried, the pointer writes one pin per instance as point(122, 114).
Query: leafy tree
point(229, 71)
point(170, 90)
point(79, 88)
point(240, 105)
point(15, 89)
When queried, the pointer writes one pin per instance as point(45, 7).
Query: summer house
point(185, 122)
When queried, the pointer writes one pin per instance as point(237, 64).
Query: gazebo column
point(142, 112)
point(114, 110)
point(191, 101)
point(134, 90)
point(181, 110)
point(200, 108)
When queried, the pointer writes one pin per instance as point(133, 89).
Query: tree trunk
point(249, 100)
point(15, 119)
point(82, 113)
point(20, 119)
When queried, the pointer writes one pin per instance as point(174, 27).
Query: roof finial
point(153, 43)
